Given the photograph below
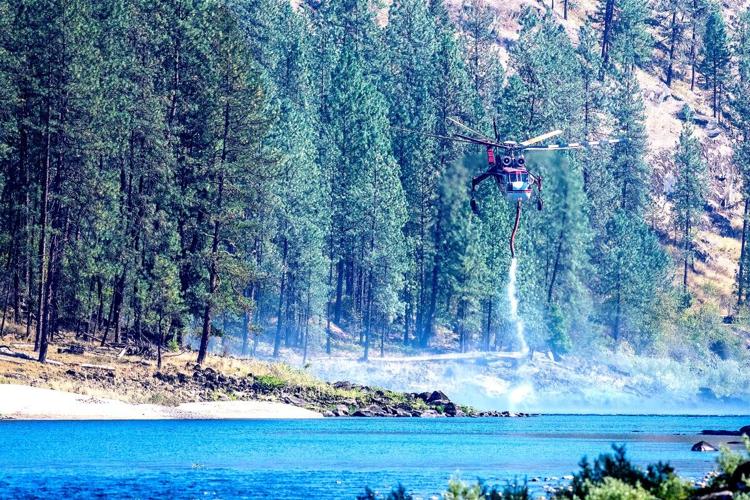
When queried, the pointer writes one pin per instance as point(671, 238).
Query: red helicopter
point(511, 175)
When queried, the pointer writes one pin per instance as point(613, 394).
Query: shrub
point(458, 490)
point(270, 382)
point(513, 490)
point(617, 466)
point(614, 489)
point(397, 493)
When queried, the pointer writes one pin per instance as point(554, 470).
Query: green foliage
point(397, 493)
point(715, 62)
point(270, 382)
point(690, 191)
point(615, 474)
point(614, 489)
point(513, 490)
point(250, 169)
point(459, 490)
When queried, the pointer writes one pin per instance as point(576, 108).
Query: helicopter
point(511, 173)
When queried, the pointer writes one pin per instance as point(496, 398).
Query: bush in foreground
point(612, 476)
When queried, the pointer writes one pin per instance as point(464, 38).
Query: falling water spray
point(513, 301)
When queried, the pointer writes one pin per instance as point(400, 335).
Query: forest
point(251, 169)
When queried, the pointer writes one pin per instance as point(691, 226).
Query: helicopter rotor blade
point(573, 145)
point(540, 138)
point(436, 136)
point(466, 127)
point(484, 142)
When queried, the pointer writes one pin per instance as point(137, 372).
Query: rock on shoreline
point(340, 399)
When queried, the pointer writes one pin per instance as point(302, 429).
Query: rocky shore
point(117, 373)
point(340, 399)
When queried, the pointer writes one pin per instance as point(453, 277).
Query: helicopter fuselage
point(514, 183)
point(511, 175)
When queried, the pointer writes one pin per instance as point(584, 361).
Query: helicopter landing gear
point(474, 207)
point(474, 182)
point(539, 200)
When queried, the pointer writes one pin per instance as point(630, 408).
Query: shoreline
point(24, 402)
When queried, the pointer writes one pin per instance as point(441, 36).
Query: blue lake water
point(329, 458)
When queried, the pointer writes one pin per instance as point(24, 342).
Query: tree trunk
point(213, 267)
point(40, 343)
point(159, 344)
point(686, 250)
point(618, 308)
point(339, 291)
point(328, 298)
point(368, 313)
point(407, 317)
point(429, 326)
point(741, 272)
point(606, 34)
point(672, 46)
point(556, 265)
point(488, 327)
point(282, 292)
point(693, 42)
point(305, 340)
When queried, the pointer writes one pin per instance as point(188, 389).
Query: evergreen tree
point(477, 23)
point(672, 21)
point(411, 45)
point(715, 63)
point(690, 192)
point(740, 106)
point(633, 270)
point(626, 41)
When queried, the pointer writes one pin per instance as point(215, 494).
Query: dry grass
point(133, 378)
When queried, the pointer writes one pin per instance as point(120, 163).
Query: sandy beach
point(22, 402)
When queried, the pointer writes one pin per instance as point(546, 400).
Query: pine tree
point(411, 45)
point(690, 191)
point(477, 23)
point(697, 11)
point(740, 106)
point(672, 25)
point(626, 41)
point(629, 168)
point(715, 63)
point(633, 270)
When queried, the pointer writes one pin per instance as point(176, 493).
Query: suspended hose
point(515, 228)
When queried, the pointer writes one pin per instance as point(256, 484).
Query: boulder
point(437, 398)
point(372, 410)
point(294, 400)
point(450, 409)
point(362, 413)
point(341, 411)
point(703, 446)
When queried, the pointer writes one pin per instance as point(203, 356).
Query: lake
point(329, 458)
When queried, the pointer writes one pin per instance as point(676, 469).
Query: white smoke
point(513, 302)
